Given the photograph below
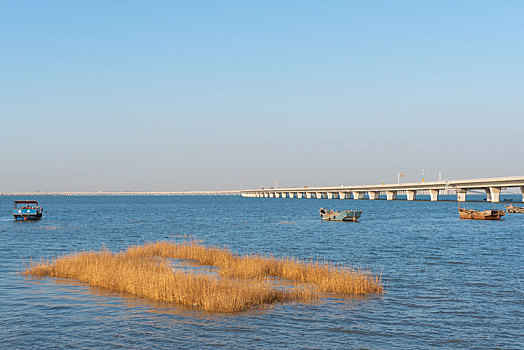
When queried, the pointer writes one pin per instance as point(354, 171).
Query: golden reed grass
point(155, 279)
point(326, 277)
point(243, 282)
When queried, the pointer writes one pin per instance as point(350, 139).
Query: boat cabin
point(27, 210)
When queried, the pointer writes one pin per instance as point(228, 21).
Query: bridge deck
point(492, 187)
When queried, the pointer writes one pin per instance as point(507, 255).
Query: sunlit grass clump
point(156, 280)
point(326, 277)
point(241, 282)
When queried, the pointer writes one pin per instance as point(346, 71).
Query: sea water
point(450, 283)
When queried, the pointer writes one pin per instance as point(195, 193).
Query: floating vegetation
point(243, 282)
point(156, 280)
point(326, 277)
point(50, 228)
point(288, 223)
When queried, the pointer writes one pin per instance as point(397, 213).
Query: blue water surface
point(450, 283)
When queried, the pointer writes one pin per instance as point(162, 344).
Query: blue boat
point(27, 210)
point(344, 215)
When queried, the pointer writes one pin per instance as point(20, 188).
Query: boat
point(514, 209)
point(27, 210)
point(470, 214)
point(344, 215)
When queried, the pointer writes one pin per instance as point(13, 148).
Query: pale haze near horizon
point(204, 95)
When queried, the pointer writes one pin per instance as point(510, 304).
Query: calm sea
point(450, 283)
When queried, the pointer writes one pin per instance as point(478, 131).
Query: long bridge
point(492, 187)
point(125, 193)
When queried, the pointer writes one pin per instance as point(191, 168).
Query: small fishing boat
point(27, 210)
point(514, 209)
point(470, 214)
point(344, 215)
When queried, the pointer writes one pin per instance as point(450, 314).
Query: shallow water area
point(450, 282)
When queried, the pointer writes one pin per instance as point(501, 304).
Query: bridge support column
point(391, 195)
point(319, 195)
point(272, 195)
point(291, 195)
point(330, 195)
point(344, 195)
point(488, 195)
point(299, 194)
point(522, 190)
point(358, 195)
point(278, 195)
point(309, 195)
point(373, 195)
point(412, 195)
point(461, 195)
point(495, 194)
point(433, 195)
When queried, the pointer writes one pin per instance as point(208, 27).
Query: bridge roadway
point(492, 186)
point(124, 193)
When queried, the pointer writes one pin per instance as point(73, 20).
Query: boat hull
point(25, 215)
point(514, 210)
point(467, 214)
point(346, 215)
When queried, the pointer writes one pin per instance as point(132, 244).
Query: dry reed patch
point(154, 279)
point(326, 277)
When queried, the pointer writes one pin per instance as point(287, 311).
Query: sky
point(222, 95)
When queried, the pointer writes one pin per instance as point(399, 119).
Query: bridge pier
point(358, 195)
point(412, 195)
point(330, 195)
point(373, 195)
point(343, 195)
point(309, 195)
point(299, 194)
point(495, 194)
point(461, 195)
point(522, 191)
point(433, 195)
point(488, 194)
point(391, 195)
point(319, 195)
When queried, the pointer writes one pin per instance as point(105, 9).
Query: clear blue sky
point(189, 95)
